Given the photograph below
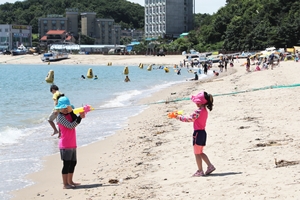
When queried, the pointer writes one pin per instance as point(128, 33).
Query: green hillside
point(127, 14)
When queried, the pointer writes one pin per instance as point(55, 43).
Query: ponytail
point(209, 98)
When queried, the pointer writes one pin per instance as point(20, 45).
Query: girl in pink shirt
point(199, 117)
point(67, 121)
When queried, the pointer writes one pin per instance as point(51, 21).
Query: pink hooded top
point(199, 117)
point(68, 132)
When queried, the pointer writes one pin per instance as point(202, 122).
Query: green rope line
point(233, 93)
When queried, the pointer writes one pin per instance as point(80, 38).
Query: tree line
point(125, 13)
point(239, 25)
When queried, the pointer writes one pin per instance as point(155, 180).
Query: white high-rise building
point(168, 18)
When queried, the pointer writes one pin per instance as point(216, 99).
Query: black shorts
point(199, 137)
point(68, 154)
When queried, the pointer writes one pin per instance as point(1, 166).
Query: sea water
point(26, 102)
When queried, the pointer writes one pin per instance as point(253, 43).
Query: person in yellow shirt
point(56, 95)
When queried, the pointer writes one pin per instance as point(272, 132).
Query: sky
point(202, 6)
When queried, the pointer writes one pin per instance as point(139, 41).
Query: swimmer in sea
point(127, 79)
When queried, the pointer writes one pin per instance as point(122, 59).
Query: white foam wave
point(10, 135)
point(121, 99)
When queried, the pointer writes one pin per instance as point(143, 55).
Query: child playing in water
point(67, 121)
point(203, 101)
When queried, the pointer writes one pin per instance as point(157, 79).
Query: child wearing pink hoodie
point(203, 101)
point(67, 122)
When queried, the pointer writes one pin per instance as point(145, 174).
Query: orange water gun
point(175, 113)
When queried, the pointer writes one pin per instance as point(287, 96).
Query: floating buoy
point(166, 69)
point(50, 77)
point(90, 73)
point(141, 66)
point(149, 68)
point(126, 70)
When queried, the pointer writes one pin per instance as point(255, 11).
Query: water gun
point(175, 113)
point(85, 109)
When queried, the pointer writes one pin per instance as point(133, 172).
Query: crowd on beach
point(268, 62)
point(197, 67)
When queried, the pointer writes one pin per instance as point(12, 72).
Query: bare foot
point(55, 132)
point(58, 136)
point(69, 186)
point(75, 184)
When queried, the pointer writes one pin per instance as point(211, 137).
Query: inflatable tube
point(90, 73)
point(149, 68)
point(50, 77)
point(126, 70)
point(166, 69)
point(85, 109)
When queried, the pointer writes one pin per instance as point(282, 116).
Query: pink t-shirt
point(199, 117)
point(68, 135)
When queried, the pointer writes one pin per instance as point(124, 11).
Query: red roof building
point(57, 37)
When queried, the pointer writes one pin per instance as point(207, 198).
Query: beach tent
point(289, 57)
point(297, 48)
point(290, 50)
point(264, 56)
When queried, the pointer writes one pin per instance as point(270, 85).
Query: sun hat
point(199, 98)
point(63, 102)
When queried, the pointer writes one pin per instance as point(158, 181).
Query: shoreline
point(96, 60)
point(153, 154)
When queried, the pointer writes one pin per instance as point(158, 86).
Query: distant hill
point(249, 25)
point(125, 13)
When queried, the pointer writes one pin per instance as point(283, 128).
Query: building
point(136, 35)
point(105, 31)
point(57, 37)
point(12, 36)
point(168, 18)
point(59, 22)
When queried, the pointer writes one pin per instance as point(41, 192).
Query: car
point(160, 53)
point(6, 52)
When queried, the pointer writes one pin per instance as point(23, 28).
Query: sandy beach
point(95, 59)
point(253, 141)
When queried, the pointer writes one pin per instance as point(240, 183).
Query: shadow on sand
point(94, 186)
point(225, 174)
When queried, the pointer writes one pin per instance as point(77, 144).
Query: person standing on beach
point(203, 101)
point(248, 64)
point(56, 95)
point(271, 60)
point(67, 121)
point(205, 68)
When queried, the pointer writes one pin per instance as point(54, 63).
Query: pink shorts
point(198, 149)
